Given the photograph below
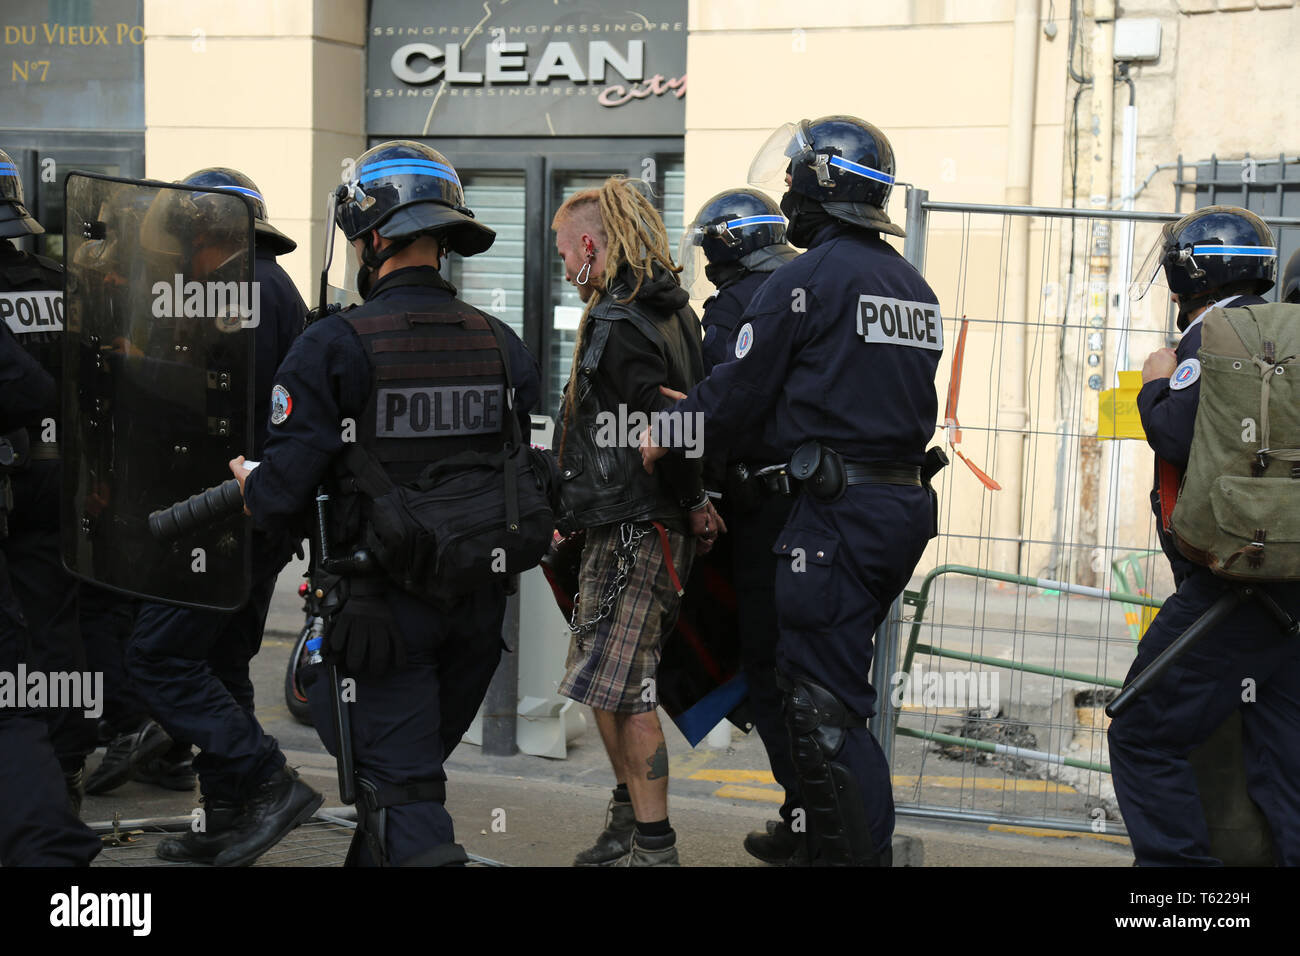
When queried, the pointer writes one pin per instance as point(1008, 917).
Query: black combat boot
point(173, 770)
point(277, 806)
point(126, 753)
point(615, 841)
point(778, 844)
point(220, 830)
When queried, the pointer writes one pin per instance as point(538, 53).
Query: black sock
point(656, 828)
point(655, 836)
point(620, 794)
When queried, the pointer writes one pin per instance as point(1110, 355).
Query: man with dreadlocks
point(637, 333)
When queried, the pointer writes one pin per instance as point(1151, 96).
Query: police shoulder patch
point(1186, 373)
point(281, 405)
point(744, 340)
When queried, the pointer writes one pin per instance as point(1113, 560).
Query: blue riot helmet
point(840, 163)
point(403, 190)
point(742, 228)
point(1291, 279)
point(266, 235)
point(1218, 250)
point(15, 220)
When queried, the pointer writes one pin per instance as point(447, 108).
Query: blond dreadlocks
point(634, 236)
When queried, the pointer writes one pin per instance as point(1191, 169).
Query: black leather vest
point(601, 484)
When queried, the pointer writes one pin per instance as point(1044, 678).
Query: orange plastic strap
point(668, 557)
point(950, 422)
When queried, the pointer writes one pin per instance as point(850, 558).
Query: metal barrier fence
point(1027, 608)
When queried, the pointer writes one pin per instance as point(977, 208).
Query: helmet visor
point(772, 162)
point(1152, 270)
point(690, 256)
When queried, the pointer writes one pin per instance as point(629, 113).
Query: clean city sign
point(526, 68)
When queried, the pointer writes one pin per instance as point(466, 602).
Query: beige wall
point(936, 77)
point(274, 90)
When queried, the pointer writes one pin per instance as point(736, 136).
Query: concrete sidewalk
point(533, 811)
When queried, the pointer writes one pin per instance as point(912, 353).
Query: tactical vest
point(31, 304)
point(1238, 510)
point(438, 387)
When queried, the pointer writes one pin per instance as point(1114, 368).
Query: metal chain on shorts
point(630, 536)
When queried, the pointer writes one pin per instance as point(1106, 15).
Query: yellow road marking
point(983, 783)
point(688, 763)
point(1031, 831)
point(735, 776)
point(738, 791)
point(735, 781)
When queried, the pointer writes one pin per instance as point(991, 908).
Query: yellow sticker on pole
point(1117, 415)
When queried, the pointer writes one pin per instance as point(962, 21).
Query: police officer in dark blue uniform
point(1216, 257)
point(37, 827)
point(385, 376)
point(31, 304)
point(838, 352)
point(190, 664)
point(1291, 279)
point(735, 242)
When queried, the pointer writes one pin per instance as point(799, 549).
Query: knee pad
point(839, 831)
point(373, 801)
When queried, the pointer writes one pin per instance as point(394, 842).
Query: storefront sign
point(526, 68)
point(72, 66)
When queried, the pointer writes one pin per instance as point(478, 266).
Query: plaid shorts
point(611, 666)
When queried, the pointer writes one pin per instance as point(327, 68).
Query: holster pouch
point(821, 469)
point(936, 460)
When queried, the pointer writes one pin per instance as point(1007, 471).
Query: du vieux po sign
point(526, 68)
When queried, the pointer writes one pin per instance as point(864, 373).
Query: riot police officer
point(191, 664)
point(1291, 279)
point(38, 827)
point(31, 303)
point(847, 326)
point(736, 241)
point(420, 670)
point(1217, 257)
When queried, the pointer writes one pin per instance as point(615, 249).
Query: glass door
point(515, 186)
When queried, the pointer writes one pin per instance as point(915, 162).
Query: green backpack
point(1238, 510)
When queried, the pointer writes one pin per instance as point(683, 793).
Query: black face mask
point(722, 274)
point(806, 216)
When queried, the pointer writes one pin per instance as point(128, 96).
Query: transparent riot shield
point(158, 383)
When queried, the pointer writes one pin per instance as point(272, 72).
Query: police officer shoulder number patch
point(281, 405)
point(886, 321)
point(1188, 371)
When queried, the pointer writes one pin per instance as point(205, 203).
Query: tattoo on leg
point(658, 763)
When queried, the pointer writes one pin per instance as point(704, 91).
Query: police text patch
point(1186, 373)
point(446, 410)
point(896, 322)
point(40, 311)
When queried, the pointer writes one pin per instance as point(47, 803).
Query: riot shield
point(158, 382)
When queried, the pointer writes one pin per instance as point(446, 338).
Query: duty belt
point(882, 474)
point(777, 480)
